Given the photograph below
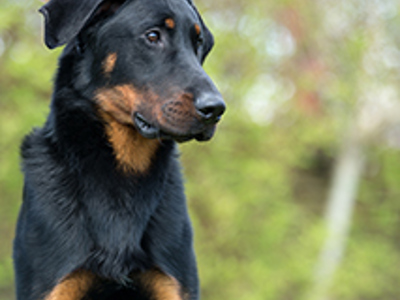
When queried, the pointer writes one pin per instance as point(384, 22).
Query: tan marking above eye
point(170, 23)
point(197, 28)
point(109, 63)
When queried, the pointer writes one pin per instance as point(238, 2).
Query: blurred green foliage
point(293, 73)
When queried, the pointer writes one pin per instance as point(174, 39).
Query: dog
point(104, 214)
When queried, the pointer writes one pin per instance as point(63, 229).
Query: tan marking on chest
point(73, 286)
point(133, 152)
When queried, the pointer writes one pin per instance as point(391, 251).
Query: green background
point(296, 75)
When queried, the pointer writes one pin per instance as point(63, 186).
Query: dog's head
point(143, 61)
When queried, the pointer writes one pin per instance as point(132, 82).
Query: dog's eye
point(199, 42)
point(153, 36)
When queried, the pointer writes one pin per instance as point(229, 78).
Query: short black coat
point(81, 210)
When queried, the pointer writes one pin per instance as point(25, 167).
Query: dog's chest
point(116, 221)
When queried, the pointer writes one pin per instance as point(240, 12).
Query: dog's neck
point(132, 152)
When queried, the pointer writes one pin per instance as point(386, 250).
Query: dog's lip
point(144, 127)
point(205, 135)
point(147, 130)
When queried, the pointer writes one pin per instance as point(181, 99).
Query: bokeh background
point(298, 194)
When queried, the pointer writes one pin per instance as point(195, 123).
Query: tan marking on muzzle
point(179, 112)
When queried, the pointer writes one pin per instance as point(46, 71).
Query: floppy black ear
point(65, 18)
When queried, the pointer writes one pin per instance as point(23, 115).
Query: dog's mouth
point(150, 131)
point(145, 128)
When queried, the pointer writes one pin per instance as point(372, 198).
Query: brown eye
point(198, 45)
point(153, 36)
point(199, 42)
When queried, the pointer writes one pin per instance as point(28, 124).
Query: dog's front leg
point(162, 286)
point(72, 287)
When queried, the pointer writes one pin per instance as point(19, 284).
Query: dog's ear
point(65, 18)
point(207, 35)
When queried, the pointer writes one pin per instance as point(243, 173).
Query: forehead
point(156, 10)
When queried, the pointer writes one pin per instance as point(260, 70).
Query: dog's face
point(144, 59)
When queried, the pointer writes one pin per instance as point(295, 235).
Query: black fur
point(81, 211)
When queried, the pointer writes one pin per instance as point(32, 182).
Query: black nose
point(210, 108)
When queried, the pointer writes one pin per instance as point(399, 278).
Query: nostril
point(208, 112)
point(210, 109)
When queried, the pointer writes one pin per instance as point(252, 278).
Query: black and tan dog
point(104, 214)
